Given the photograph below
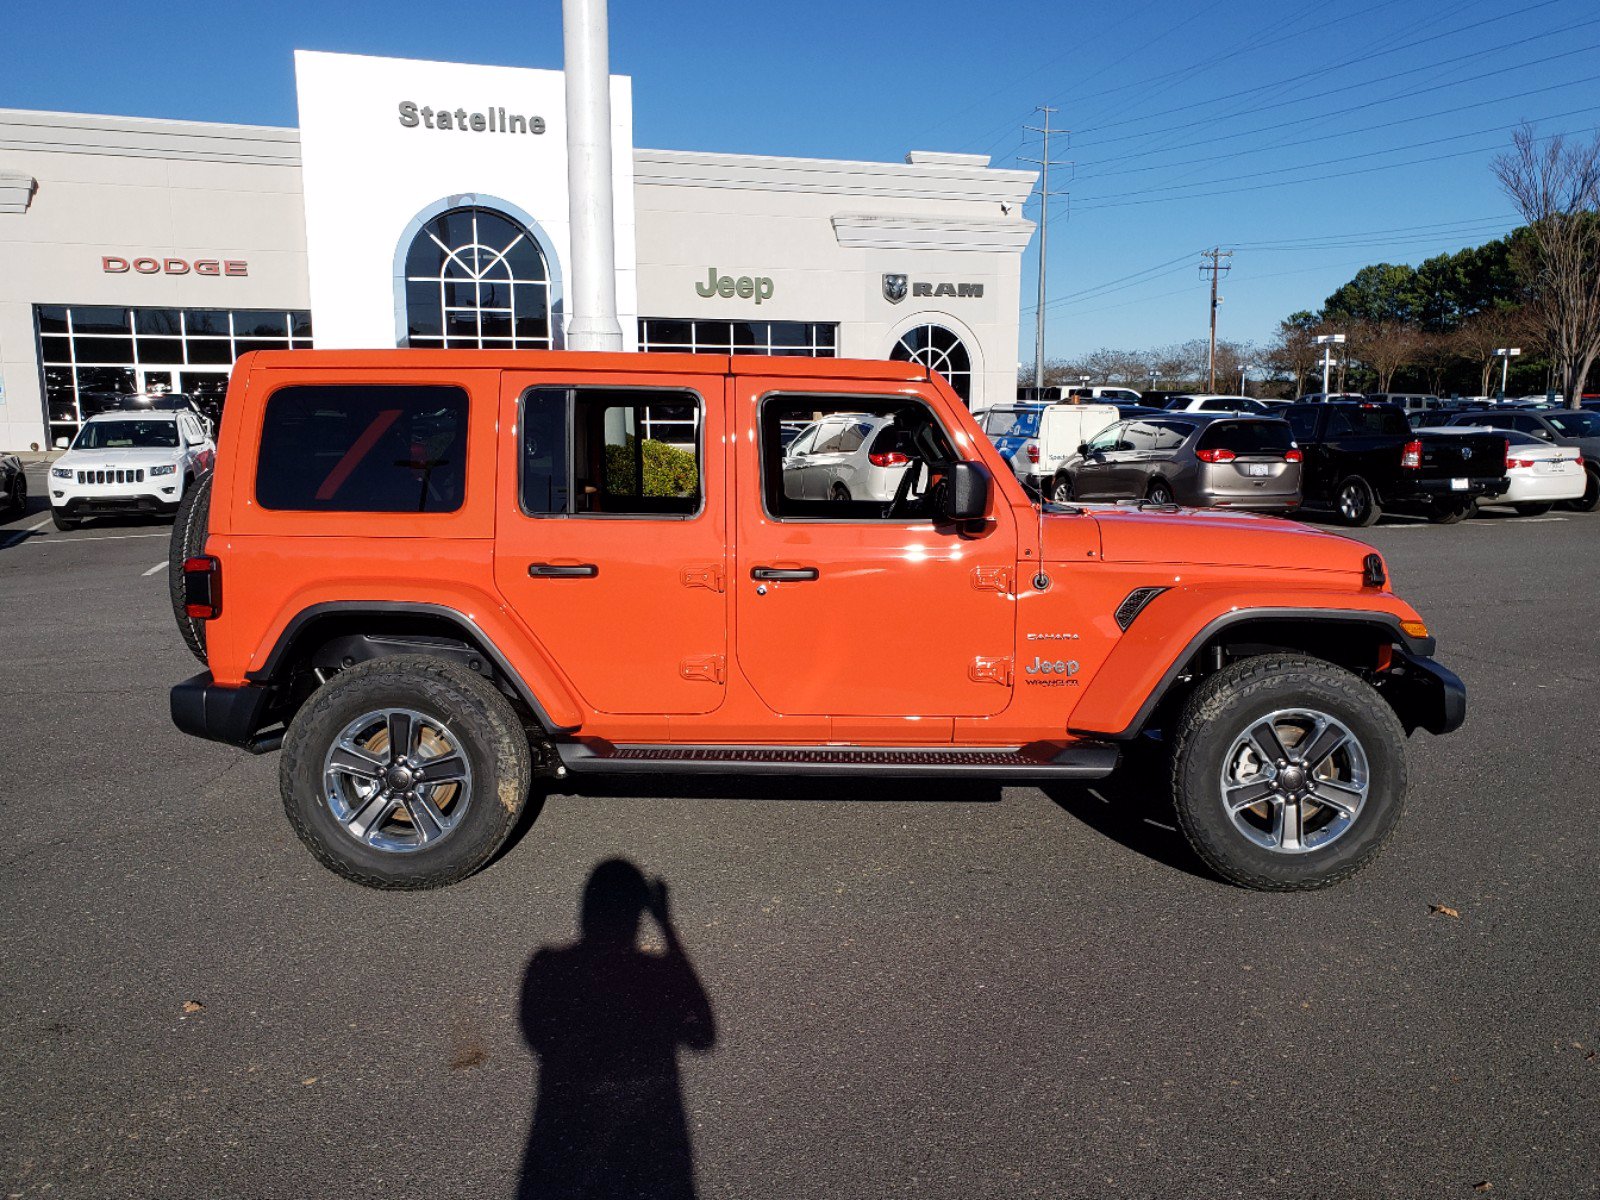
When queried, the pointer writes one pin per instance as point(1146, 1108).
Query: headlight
point(60, 472)
point(166, 470)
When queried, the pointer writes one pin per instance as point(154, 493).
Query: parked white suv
point(847, 456)
point(129, 463)
point(1212, 402)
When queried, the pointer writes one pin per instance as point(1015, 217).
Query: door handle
point(783, 574)
point(544, 570)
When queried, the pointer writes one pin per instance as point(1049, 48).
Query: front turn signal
point(1414, 629)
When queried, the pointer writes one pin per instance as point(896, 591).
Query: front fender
point(1171, 630)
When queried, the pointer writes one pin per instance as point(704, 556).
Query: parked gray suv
point(1193, 459)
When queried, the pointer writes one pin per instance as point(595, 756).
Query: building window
point(476, 278)
point(935, 347)
point(803, 339)
point(87, 353)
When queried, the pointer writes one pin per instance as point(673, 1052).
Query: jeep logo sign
point(726, 286)
point(1040, 667)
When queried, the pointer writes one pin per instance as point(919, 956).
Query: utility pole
point(1044, 164)
point(592, 290)
point(1217, 268)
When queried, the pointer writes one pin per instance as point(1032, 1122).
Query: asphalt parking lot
point(918, 991)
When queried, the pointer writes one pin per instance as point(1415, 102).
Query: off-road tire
point(1365, 508)
point(1160, 492)
point(1228, 703)
point(64, 523)
point(491, 737)
point(1591, 493)
point(191, 525)
point(1532, 510)
point(1442, 512)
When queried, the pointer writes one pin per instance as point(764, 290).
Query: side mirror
point(1083, 449)
point(62, 443)
point(966, 492)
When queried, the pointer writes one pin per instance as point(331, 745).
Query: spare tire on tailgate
point(190, 527)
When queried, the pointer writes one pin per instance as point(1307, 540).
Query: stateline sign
point(490, 120)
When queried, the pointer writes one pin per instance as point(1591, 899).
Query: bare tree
point(1293, 353)
point(1481, 334)
point(1384, 347)
point(1556, 188)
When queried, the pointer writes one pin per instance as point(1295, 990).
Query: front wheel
point(63, 522)
point(1448, 512)
point(1061, 489)
point(405, 773)
point(1288, 773)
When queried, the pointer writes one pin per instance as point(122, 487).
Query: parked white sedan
point(1541, 475)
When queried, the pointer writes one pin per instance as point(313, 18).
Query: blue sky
point(1311, 137)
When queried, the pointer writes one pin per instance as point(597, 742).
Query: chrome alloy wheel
point(1350, 502)
point(397, 780)
point(1295, 781)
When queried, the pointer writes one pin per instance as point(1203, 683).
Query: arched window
point(936, 348)
point(476, 278)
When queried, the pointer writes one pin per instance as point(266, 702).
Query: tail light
point(1579, 460)
point(1411, 456)
point(202, 587)
point(888, 458)
point(1508, 455)
point(1518, 462)
point(1033, 452)
point(1215, 456)
point(1293, 456)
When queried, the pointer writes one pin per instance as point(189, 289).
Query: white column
point(592, 296)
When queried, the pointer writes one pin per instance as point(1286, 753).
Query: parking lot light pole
point(1327, 341)
point(1505, 357)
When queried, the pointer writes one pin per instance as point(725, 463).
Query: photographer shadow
point(606, 1019)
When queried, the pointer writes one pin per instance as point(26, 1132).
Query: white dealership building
point(425, 204)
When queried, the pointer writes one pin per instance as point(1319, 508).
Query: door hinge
point(992, 579)
point(990, 670)
point(706, 577)
point(710, 667)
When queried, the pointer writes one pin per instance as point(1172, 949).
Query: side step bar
point(1042, 760)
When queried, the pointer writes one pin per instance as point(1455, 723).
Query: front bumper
point(90, 506)
point(219, 713)
point(1424, 694)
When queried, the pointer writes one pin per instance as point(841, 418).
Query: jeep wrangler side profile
point(431, 576)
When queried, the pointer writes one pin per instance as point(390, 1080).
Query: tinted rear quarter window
point(363, 448)
point(1248, 437)
point(1368, 422)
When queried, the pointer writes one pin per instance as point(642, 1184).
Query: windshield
point(1575, 424)
point(122, 435)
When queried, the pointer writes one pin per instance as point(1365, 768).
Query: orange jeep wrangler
point(430, 576)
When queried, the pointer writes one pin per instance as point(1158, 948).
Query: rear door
point(611, 534)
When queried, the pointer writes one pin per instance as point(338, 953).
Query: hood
point(120, 457)
point(1198, 537)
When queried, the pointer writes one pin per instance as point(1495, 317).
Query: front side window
point(591, 452)
point(897, 451)
point(1576, 424)
point(1108, 439)
point(121, 435)
point(476, 278)
point(363, 448)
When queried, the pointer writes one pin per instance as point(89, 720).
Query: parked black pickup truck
point(1361, 458)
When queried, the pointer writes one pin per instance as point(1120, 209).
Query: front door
point(610, 537)
point(864, 607)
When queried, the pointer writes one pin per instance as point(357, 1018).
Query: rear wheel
point(1288, 773)
point(1356, 503)
point(405, 773)
point(1532, 510)
point(19, 494)
point(1591, 493)
point(64, 522)
point(840, 492)
point(1160, 492)
point(190, 527)
point(1449, 512)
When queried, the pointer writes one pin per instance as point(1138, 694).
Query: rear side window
point(610, 452)
point(1019, 424)
point(363, 448)
point(1248, 437)
point(1172, 434)
point(1304, 423)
